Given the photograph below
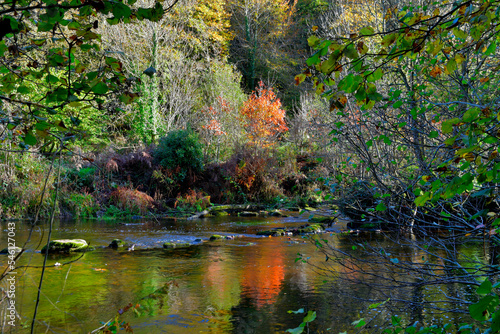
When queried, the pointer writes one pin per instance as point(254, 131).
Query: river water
point(244, 285)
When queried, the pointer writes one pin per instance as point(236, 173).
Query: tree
point(170, 70)
point(46, 46)
point(260, 28)
point(418, 105)
point(263, 117)
point(48, 81)
point(416, 101)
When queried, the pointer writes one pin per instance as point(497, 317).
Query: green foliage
point(182, 150)
point(83, 178)
point(80, 205)
point(486, 312)
point(435, 71)
point(48, 82)
point(310, 316)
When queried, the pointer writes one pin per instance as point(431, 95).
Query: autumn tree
point(263, 117)
point(416, 104)
point(171, 71)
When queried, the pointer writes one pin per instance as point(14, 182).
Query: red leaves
point(262, 116)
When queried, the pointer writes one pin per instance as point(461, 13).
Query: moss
point(248, 214)
point(313, 228)
point(322, 220)
point(274, 233)
point(277, 213)
point(219, 213)
point(170, 245)
point(116, 243)
point(66, 246)
point(216, 237)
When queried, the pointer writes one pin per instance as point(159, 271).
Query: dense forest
point(385, 110)
point(175, 105)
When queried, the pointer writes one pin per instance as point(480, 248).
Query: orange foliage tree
point(263, 117)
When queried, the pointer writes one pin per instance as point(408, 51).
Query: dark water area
point(244, 285)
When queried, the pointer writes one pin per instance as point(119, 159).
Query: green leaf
point(381, 207)
point(300, 310)
point(121, 11)
point(433, 134)
point(100, 88)
point(297, 330)
point(388, 40)
point(351, 52)
point(483, 308)
point(471, 114)
point(451, 65)
point(311, 315)
point(484, 288)
point(366, 31)
point(447, 126)
point(30, 139)
point(422, 199)
point(372, 306)
point(359, 323)
point(459, 33)
point(313, 41)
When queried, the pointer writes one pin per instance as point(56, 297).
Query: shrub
point(80, 205)
point(182, 150)
point(193, 200)
point(132, 200)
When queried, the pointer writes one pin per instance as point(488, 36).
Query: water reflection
point(245, 285)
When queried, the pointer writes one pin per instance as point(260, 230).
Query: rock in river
point(117, 243)
point(67, 246)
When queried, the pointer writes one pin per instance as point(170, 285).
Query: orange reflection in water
point(263, 275)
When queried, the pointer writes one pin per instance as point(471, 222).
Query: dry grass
point(132, 200)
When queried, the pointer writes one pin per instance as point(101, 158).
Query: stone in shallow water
point(116, 243)
point(169, 245)
point(67, 246)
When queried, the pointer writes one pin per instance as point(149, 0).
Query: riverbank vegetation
point(149, 108)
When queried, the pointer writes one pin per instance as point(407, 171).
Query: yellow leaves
point(314, 28)
point(493, 155)
point(436, 12)
point(469, 156)
point(299, 79)
point(435, 71)
point(459, 58)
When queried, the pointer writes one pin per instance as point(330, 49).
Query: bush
point(132, 200)
point(182, 150)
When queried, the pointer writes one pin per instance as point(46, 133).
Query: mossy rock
point(67, 246)
point(217, 237)
point(274, 233)
point(322, 220)
point(313, 228)
point(248, 214)
point(219, 213)
point(6, 250)
point(117, 243)
point(219, 208)
point(277, 213)
point(170, 245)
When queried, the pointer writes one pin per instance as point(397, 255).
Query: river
point(242, 285)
